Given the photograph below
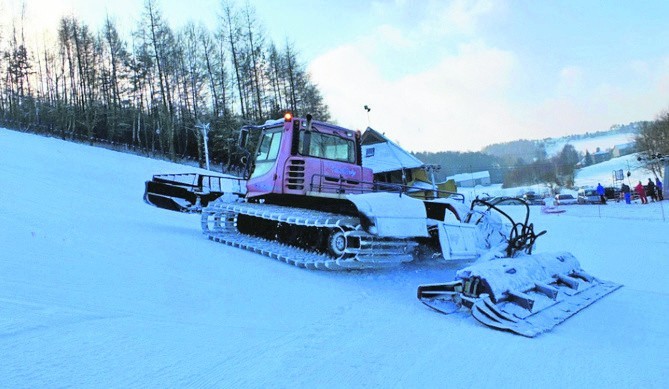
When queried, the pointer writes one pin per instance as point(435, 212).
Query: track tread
point(219, 224)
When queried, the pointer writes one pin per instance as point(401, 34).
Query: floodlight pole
point(205, 130)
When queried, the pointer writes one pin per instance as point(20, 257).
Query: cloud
point(463, 101)
point(570, 80)
point(457, 104)
point(461, 16)
point(393, 36)
point(434, 83)
point(435, 19)
point(662, 81)
point(431, 83)
point(595, 106)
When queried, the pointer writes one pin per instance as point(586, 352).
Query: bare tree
point(254, 41)
point(212, 61)
point(231, 33)
point(19, 69)
point(90, 85)
point(116, 73)
point(292, 76)
point(653, 143)
point(159, 43)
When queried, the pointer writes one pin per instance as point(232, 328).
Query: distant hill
point(454, 162)
point(528, 150)
point(604, 140)
point(514, 151)
point(498, 158)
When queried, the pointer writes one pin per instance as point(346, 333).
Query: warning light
point(288, 116)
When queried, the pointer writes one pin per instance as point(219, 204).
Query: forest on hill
point(155, 90)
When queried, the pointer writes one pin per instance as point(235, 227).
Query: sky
point(452, 75)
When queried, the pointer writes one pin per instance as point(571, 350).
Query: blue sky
point(454, 75)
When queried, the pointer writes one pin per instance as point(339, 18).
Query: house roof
point(383, 155)
point(469, 176)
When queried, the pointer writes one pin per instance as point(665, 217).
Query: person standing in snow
point(625, 189)
point(601, 193)
point(641, 191)
point(659, 187)
point(650, 190)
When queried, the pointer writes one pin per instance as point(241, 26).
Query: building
point(395, 166)
point(385, 157)
point(623, 149)
point(471, 179)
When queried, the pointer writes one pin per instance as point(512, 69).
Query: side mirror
point(243, 137)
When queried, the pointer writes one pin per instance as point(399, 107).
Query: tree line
point(510, 169)
point(154, 90)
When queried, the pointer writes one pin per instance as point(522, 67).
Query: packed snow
point(591, 144)
point(98, 288)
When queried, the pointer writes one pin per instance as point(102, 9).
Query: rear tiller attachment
point(527, 295)
point(521, 292)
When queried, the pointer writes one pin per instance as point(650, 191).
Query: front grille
point(295, 174)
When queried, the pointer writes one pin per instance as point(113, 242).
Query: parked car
point(565, 199)
point(532, 198)
point(612, 193)
point(588, 196)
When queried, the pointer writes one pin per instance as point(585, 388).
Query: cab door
point(265, 170)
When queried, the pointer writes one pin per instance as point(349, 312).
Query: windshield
point(268, 150)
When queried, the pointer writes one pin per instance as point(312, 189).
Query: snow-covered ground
point(99, 289)
point(603, 142)
point(604, 172)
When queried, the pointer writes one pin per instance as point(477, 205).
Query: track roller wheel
point(337, 243)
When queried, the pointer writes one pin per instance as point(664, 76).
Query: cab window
point(316, 144)
point(268, 150)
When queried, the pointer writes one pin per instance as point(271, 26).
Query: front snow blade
point(527, 295)
point(170, 197)
point(185, 192)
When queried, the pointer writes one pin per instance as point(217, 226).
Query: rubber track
point(219, 224)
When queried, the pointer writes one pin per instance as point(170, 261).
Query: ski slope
point(590, 144)
point(98, 289)
point(587, 177)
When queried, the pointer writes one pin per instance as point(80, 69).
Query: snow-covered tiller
point(523, 293)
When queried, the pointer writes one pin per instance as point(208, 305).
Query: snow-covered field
point(603, 142)
point(98, 289)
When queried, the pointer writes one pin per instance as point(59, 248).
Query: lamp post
point(367, 108)
point(205, 129)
